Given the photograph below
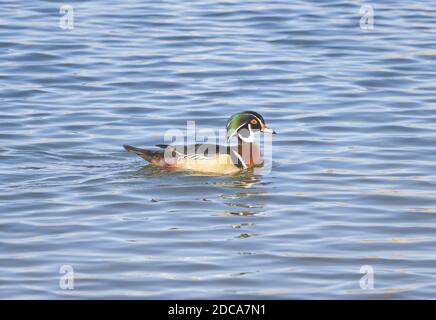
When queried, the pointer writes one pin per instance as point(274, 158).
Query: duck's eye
point(253, 121)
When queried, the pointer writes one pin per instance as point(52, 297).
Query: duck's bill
point(268, 130)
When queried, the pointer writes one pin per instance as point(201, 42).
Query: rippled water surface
point(353, 177)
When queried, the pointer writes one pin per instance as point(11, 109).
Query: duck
point(212, 158)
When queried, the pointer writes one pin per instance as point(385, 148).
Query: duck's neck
point(250, 152)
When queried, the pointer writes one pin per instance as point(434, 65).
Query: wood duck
point(211, 158)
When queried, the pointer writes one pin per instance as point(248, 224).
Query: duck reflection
point(245, 189)
point(242, 201)
point(239, 194)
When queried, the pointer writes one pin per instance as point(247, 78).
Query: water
point(353, 177)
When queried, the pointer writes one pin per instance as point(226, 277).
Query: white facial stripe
point(240, 159)
point(251, 137)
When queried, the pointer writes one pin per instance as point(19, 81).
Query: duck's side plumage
point(199, 157)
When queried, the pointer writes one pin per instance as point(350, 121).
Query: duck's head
point(245, 124)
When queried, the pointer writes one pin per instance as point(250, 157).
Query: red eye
point(254, 121)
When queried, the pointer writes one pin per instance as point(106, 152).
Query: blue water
point(353, 179)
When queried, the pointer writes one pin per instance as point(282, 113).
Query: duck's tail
point(154, 157)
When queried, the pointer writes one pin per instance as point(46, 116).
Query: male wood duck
point(211, 158)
